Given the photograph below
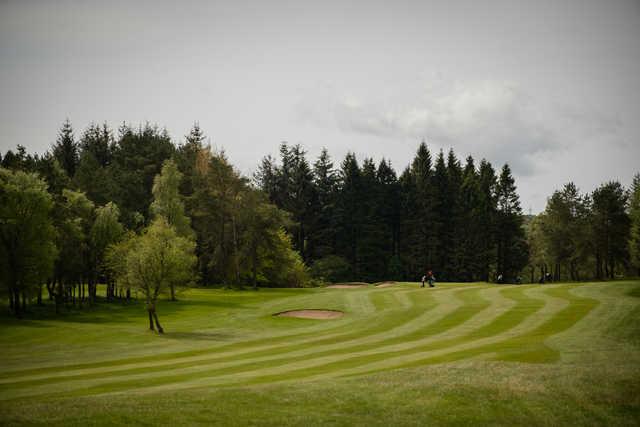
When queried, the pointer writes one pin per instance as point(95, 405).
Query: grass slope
point(455, 354)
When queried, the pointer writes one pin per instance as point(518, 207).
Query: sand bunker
point(385, 284)
point(312, 314)
point(348, 285)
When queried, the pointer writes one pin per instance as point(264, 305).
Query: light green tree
point(27, 248)
point(155, 262)
point(168, 204)
point(106, 230)
point(167, 201)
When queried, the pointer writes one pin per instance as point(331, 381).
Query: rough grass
point(402, 355)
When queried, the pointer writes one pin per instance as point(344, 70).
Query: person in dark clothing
point(431, 278)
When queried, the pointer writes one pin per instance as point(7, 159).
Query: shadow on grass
point(118, 311)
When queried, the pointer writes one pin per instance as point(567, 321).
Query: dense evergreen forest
point(133, 210)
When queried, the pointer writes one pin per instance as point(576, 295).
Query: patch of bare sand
point(385, 284)
point(312, 314)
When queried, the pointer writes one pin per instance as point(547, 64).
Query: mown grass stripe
point(498, 325)
point(380, 324)
point(472, 306)
point(528, 347)
point(425, 303)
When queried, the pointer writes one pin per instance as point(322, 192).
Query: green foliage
point(27, 248)
point(322, 235)
point(137, 158)
point(215, 212)
point(154, 263)
point(511, 242)
point(282, 265)
point(56, 178)
point(331, 269)
point(261, 224)
point(106, 230)
point(167, 201)
point(634, 215)
point(567, 228)
point(186, 157)
point(65, 150)
point(73, 219)
point(19, 160)
point(460, 221)
point(115, 258)
point(611, 228)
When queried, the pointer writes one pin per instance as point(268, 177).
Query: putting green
point(220, 339)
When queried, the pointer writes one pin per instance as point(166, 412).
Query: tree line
point(137, 212)
point(583, 236)
point(363, 222)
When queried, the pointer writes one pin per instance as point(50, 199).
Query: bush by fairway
point(457, 354)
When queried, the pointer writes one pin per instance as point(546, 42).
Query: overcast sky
point(551, 87)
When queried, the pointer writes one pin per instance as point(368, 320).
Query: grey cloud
point(495, 120)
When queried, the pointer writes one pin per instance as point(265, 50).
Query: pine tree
point(373, 241)
point(409, 234)
point(389, 213)
point(419, 228)
point(566, 226)
point(322, 236)
point(302, 199)
point(439, 235)
point(634, 215)
point(93, 175)
point(468, 256)
point(348, 213)
point(611, 228)
point(65, 150)
point(266, 177)
point(186, 156)
point(452, 230)
point(486, 220)
point(137, 159)
point(98, 142)
point(512, 248)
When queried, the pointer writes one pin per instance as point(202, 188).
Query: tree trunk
point(50, 288)
point(235, 250)
point(150, 320)
point(59, 296)
point(24, 302)
point(40, 295)
point(254, 271)
point(155, 317)
point(173, 292)
point(16, 304)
